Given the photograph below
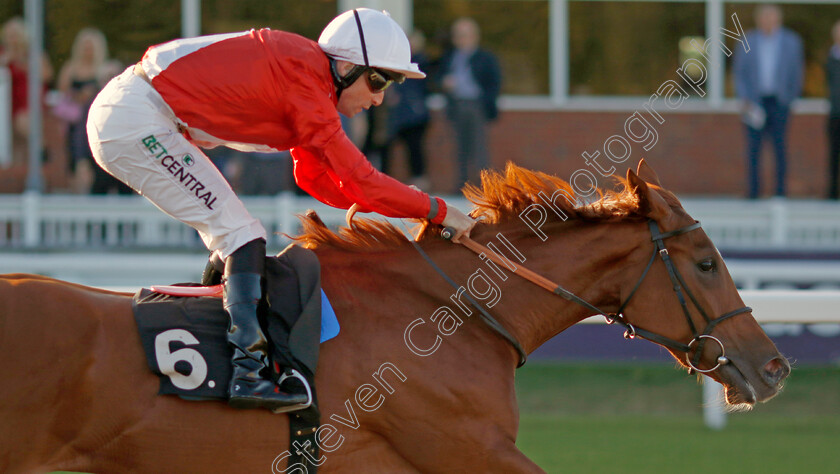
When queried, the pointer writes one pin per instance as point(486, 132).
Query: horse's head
point(688, 302)
point(639, 256)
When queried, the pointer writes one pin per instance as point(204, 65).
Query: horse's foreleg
point(504, 459)
point(510, 459)
point(481, 448)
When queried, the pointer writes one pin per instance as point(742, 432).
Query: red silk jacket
point(265, 90)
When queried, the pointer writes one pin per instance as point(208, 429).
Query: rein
point(632, 330)
point(488, 319)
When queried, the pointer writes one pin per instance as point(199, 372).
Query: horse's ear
point(646, 173)
point(651, 204)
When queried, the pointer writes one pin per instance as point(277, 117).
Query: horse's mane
point(501, 198)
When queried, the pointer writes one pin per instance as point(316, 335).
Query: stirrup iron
point(290, 373)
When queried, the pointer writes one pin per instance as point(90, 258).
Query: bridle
point(679, 286)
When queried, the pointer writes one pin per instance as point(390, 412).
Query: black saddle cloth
point(185, 338)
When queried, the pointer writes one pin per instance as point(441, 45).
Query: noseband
point(679, 287)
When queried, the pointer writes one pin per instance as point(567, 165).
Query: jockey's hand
point(459, 221)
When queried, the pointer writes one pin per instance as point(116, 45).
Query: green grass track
point(589, 418)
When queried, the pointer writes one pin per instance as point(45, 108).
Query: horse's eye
point(707, 265)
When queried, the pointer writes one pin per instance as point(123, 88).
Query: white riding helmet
point(367, 37)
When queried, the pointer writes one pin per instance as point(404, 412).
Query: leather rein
point(679, 286)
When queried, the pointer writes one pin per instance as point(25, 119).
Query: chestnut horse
point(413, 383)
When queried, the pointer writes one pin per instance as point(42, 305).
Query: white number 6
point(166, 360)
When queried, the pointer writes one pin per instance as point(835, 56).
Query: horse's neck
point(585, 259)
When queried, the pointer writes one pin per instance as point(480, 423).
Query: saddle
point(183, 332)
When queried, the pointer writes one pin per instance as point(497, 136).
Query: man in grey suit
point(471, 80)
point(768, 78)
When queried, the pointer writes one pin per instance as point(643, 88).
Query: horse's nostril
point(776, 370)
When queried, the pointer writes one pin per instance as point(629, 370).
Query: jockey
point(258, 90)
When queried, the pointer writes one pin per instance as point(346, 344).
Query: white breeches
point(134, 136)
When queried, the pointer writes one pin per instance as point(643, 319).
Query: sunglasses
point(377, 79)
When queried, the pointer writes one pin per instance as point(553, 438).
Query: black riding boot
point(213, 271)
point(244, 270)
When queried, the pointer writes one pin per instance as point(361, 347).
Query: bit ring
point(722, 360)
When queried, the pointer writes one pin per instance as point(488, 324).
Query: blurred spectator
point(355, 127)
point(103, 182)
point(14, 55)
point(375, 146)
point(832, 73)
point(471, 80)
point(768, 79)
point(408, 116)
point(264, 174)
point(78, 83)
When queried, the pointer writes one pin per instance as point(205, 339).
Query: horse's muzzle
point(775, 371)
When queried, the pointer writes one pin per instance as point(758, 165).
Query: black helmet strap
point(343, 82)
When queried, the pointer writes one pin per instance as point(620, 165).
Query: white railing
point(769, 224)
point(784, 274)
point(136, 269)
point(772, 308)
point(32, 220)
point(107, 266)
point(77, 222)
point(5, 117)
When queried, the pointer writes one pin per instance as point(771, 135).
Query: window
point(131, 27)
point(304, 18)
point(628, 48)
point(515, 31)
point(615, 47)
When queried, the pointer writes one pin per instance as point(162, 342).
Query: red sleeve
point(362, 184)
point(330, 168)
point(313, 178)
